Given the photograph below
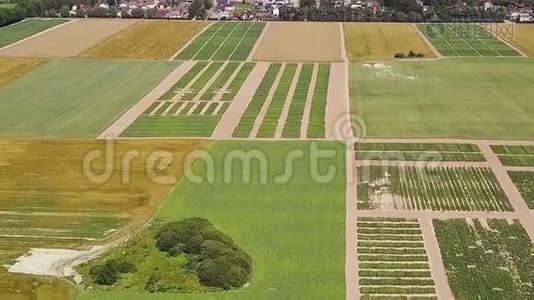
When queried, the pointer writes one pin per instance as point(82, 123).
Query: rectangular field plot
point(224, 41)
point(468, 39)
point(418, 152)
point(486, 259)
point(289, 103)
point(392, 260)
point(430, 188)
point(515, 156)
point(195, 104)
point(524, 181)
point(24, 29)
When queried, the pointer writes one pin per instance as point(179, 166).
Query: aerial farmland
point(204, 159)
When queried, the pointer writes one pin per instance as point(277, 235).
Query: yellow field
point(11, 69)
point(149, 39)
point(48, 199)
point(523, 38)
point(380, 41)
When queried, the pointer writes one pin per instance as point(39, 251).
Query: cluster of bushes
point(213, 256)
point(109, 272)
point(11, 15)
point(410, 54)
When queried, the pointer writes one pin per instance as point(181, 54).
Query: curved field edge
point(283, 225)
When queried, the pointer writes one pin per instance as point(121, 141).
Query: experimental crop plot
point(524, 181)
point(468, 39)
point(515, 156)
point(224, 41)
point(289, 103)
point(430, 188)
point(195, 104)
point(419, 152)
point(392, 260)
point(486, 259)
point(26, 28)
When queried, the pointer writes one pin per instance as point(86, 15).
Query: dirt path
point(258, 41)
point(338, 121)
point(342, 42)
point(115, 129)
point(237, 107)
point(435, 261)
point(524, 169)
point(427, 41)
point(267, 103)
point(287, 103)
point(210, 82)
point(351, 239)
point(307, 106)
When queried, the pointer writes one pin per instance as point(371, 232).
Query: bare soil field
point(380, 41)
point(522, 37)
point(69, 40)
point(306, 41)
point(12, 69)
point(149, 39)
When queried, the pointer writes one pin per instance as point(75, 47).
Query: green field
point(316, 126)
point(430, 188)
point(418, 152)
point(469, 39)
point(224, 41)
point(24, 29)
point(75, 98)
point(466, 98)
point(294, 230)
point(392, 259)
point(524, 181)
point(486, 259)
point(514, 155)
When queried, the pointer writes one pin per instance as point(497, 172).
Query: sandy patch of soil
point(69, 40)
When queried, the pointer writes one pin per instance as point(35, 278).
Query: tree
point(199, 9)
point(401, 17)
point(138, 13)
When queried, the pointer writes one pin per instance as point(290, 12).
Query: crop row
point(172, 126)
point(185, 80)
point(274, 111)
point(517, 160)
point(487, 261)
point(419, 156)
point(293, 123)
point(220, 81)
point(237, 83)
point(170, 108)
point(416, 147)
point(524, 181)
point(197, 44)
point(515, 155)
point(513, 149)
point(206, 76)
point(316, 126)
point(437, 188)
point(246, 123)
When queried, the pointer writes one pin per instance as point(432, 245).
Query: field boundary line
point(219, 94)
point(471, 46)
point(238, 105)
point(210, 82)
point(427, 41)
point(435, 214)
point(506, 42)
point(446, 41)
point(435, 261)
point(188, 43)
point(423, 164)
point(448, 141)
point(208, 40)
point(352, 283)
point(308, 105)
point(519, 169)
point(240, 41)
point(282, 119)
point(258, 41)
point(338, 103)
point(127, 118)
point(488, 45)
point(39, 33)
point(344, 56)
point(265, 106)
point(224, 41)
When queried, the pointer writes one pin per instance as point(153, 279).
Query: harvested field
point(381, 41)
point(69, 40)
point(65, 98)
point(469, 39)
point(470, 98)
point(195, 104)
point(12, 69)
point(392, 260)
point(514, 155)
point(148, 39)
point(61, 204)
point(289, 103)
point(224, 41)
point(430, 188)
point(524, 181)
point(486, 258)
point(301, 42)
point(24, 29)
point(418, 152)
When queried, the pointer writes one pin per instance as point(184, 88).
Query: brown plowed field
point(300, 41)
point(69, 40)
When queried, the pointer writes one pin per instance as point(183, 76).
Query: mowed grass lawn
point(467, 98)
point(149, 39)
point(75, 98)
point(380, 41)
point(294, 231)
point(24, 29)
point(12, 69)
